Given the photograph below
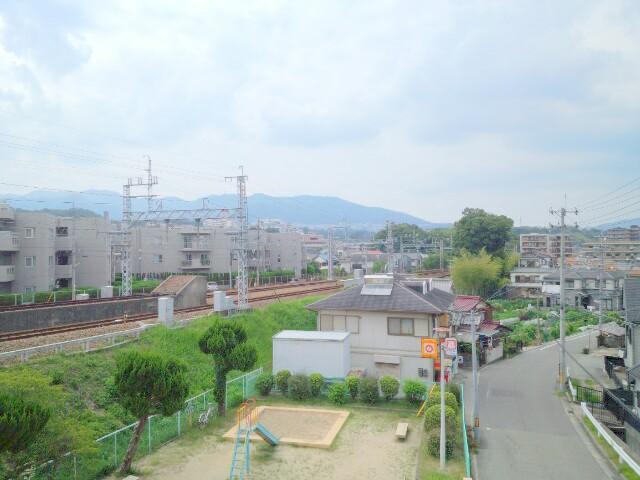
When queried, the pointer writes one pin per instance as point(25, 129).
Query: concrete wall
point(379, 353)
point(41, 277)
point(192, 295)
point(11, 321)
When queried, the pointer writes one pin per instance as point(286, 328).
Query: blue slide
point(266, 435)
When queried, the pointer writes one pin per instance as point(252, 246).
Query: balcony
point(63, 271)
point(7, 273)
point(9, 242)
point(7, 213)
point(196, 264)
point(196, 247)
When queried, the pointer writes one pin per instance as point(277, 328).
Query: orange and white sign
point(429, 348)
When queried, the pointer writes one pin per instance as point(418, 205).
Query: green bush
point(449, 399)
point(282, 381)
point(338, 393)
point(353, 384)
point(414, 390)
point(317, 381)
point(455, 389)
point(433, 445)
point(369, 392)
point(390, 387)
point(264, 383)
point(299, 387)
point(432, 418)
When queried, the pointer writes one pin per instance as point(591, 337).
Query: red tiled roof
point(465, 303)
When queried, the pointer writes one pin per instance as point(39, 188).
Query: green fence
point(465, 441)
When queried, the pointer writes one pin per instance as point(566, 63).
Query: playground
point(364, 447)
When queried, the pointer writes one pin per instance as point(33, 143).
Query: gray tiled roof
point(402, 299)
point(587, 274)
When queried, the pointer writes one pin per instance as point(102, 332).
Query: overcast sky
point(424, 107)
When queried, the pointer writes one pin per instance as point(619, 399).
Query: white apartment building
point(38, 251)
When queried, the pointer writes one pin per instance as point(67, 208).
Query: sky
point(423, 107)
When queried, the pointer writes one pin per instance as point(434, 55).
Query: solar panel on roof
point(377, 289)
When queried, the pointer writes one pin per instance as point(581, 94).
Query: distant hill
point(303, 210)
point(621, 224)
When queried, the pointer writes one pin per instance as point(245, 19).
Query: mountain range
point(304, 210)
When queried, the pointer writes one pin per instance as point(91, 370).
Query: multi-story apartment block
point(631, 234)
point(158, 249)
point(532, 244)
point(616, 251)
point(40, 251)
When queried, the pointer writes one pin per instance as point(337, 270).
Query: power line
point(596, 200)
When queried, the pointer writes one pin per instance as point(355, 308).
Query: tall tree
point(148, 384)
point(475, 274)
point(226, 341)
point(21, 422)
point(478, 230)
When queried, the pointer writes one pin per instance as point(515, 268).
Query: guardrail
point(622, 455)
point(572, 389)
point(110, 338)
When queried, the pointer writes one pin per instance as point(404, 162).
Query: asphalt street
point(525, 429)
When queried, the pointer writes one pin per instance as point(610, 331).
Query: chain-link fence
point(159, 430)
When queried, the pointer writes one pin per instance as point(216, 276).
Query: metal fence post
point(150, 434)
point(178, 422)
point(115, 450)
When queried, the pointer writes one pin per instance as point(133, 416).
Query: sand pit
point(306, 427)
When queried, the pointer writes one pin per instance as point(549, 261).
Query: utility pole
point(441, 254)
point(389, 245)
point(259, 256)
point(600, 317)
point(474, 367)
point(562, 212)
point(330, 255)
point(443, 434)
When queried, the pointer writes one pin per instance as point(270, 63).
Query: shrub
point(338, 393)
point(369, 390)
point(264, 383)
point(432, 418)
point(433, 445)
point(414, 390)
point(299, 387)
point(353, 384)
point(317, 381)
point(455, 389)
point(449, 399)
point(389, 386)
point(282, 381)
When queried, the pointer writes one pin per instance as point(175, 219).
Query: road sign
point(451, 347)
point(429, 347)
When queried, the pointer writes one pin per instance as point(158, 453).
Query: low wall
point(29, 319)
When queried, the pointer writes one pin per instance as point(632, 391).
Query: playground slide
point(266, 435)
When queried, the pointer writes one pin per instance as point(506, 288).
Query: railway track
point(277, 294)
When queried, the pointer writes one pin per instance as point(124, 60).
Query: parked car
point(212, 286)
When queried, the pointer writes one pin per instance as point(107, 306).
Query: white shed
point(309, 352)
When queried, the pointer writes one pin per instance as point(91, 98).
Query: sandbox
point(306, 427)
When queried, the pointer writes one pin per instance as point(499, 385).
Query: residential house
point(387, 319)
point(582, 288)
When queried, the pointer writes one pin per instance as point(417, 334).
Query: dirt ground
point(284, 424)
point(365, 448)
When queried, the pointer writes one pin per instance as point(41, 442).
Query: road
point(526, 433)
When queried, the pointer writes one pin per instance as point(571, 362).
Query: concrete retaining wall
point(11, 321)
point(194, 294)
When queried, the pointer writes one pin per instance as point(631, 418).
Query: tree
point(226, 341)
point(478, 230)
point(379, 266)
point(21, 422)
point(148, 384)
point(475, 274)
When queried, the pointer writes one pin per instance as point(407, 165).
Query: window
point(29, 232)
point(29, 289)
point(340, 323)
point(157, 258)
point(50, 260)
point(30, 261)
point(399, 326)
point(62, 231)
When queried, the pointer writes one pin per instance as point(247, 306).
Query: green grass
point(84, 402)
point(623, 469)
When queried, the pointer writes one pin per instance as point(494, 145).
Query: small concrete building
point(310, 352)
point(386, 320)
